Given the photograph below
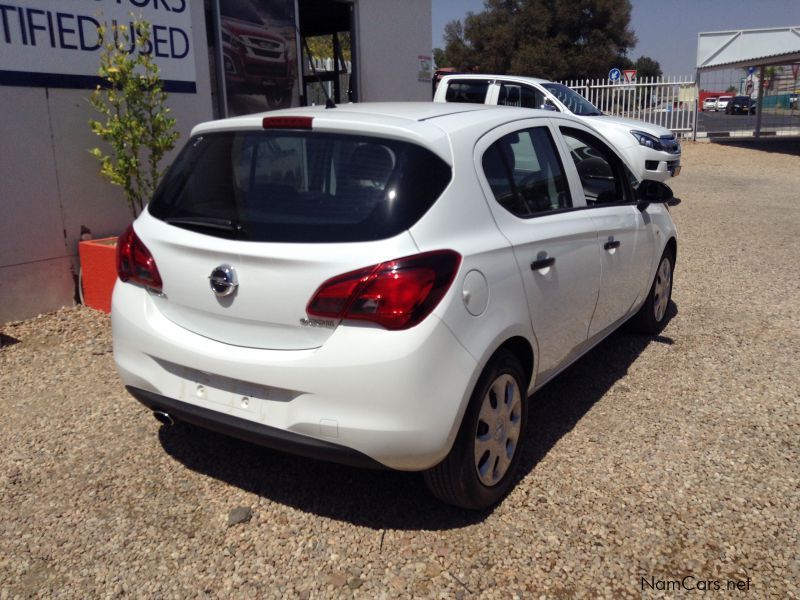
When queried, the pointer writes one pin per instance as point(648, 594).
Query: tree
point(440, 58)
point(557, 39)
point(321, 46)
point(647, 67)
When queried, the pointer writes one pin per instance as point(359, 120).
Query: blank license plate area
point(224, 390)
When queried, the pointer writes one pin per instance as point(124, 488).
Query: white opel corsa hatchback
point(385, 284)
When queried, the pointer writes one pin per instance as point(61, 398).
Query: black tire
point(652, 316)
point(457, 479)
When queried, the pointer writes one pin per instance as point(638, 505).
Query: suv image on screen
point(255, 59)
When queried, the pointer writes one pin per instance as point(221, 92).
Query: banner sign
point(55, 43)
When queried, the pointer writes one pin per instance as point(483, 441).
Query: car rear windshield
point(304, 187)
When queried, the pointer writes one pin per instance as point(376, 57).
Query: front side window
point(603, 176)
point(299, 187)
point(525, 173)
point(575, 103)
point(467, 90)
point(514, 94)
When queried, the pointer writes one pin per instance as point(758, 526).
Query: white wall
point(50, 185)
point(390, 37)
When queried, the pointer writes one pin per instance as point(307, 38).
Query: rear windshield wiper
point(205, 223)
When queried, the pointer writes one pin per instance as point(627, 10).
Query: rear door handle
point(543, 263)
point(612, 244)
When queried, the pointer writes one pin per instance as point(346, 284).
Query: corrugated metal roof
point(748, 47)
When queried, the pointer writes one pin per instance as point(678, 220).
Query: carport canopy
point(748, 48)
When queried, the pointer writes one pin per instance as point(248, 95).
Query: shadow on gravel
point(392, 499)
point(7, 340)
point(556, 408)
point(782, 145)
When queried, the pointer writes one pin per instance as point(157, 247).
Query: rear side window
point(525, 173)
point(512, 94)
point(304, 187)
point(466, 90)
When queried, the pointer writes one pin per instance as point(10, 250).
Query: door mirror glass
point(650, 191)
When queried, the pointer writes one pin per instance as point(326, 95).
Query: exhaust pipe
point(164, 418)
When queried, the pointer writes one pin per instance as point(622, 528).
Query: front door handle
point(612, 244)
point(543, 263)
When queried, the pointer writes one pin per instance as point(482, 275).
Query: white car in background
point(710, 103)
point(386, 284)
point(722, 103)
point(652, 151)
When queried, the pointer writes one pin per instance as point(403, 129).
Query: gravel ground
point(650, 460)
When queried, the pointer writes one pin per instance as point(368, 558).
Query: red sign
point(630, 75)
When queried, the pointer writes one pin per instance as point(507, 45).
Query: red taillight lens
point(397, 294)
point(135, 263)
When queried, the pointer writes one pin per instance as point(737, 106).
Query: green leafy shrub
point(136, 124)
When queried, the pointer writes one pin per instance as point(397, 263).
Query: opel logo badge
point(223, 281)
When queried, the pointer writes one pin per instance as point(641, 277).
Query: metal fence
point(667, 101)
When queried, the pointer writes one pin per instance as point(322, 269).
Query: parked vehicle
point(741, 105)
point(722, 103)
point(710, 104)
point(653, 151)
point(386, 284)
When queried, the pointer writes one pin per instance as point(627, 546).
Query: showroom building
point(217, 58)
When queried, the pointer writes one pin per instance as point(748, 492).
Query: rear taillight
point(135, 263)
point(396, 294)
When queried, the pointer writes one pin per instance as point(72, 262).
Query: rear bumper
point(255, 433)
point(394, 397)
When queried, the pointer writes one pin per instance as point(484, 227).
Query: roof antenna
point(328, 102)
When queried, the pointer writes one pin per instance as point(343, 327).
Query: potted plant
point(138, 132)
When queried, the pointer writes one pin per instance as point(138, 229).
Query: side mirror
point(652, 192)
point(547, 105)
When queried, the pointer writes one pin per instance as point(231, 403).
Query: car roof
point(480, 76)
point(390, 111)
point(431, 124)
point(386, 116)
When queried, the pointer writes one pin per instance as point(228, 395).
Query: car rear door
point(555, 246)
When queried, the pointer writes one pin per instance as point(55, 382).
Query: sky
point(667, 29)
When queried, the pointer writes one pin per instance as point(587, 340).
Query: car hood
point(655, 130)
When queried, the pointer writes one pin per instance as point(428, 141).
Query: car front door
point(555, 246)
point(625, 234)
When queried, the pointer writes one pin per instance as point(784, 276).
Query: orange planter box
point(98, 271)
